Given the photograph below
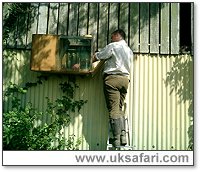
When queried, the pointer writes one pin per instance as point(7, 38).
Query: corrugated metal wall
point(160, 94)
point(163, 94)
point(90, 124)
point(159, 101)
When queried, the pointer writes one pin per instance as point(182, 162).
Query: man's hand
point(76, 66)
point(94, 59)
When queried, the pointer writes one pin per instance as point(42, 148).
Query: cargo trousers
point(115, 90)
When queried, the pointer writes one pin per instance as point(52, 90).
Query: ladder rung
point(109, 145)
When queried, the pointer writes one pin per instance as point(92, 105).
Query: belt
point(106, 74)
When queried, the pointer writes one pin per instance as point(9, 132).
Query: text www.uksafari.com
point(140, 158)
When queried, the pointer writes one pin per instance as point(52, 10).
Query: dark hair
point(121, 32)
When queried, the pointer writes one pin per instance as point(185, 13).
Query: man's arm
point(105, 53)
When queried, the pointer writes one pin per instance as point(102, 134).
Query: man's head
point(118, 35)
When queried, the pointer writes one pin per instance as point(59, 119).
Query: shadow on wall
point(44, 53)
point(180, 80)
point(17, 22)
point(93, 115)
point(99, 19)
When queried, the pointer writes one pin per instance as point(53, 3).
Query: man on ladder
point(118, 57)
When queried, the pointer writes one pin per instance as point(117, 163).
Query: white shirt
point(118, 58)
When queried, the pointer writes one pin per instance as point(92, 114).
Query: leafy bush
point(20, 131)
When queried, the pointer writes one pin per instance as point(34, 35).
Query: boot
point(116, 130)
point(123, 132)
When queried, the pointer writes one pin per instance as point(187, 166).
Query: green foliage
point(21, 130)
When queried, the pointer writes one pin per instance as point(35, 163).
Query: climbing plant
point(21, 130)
